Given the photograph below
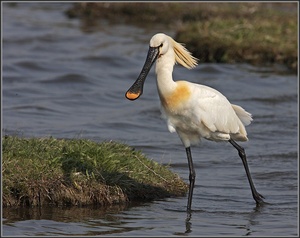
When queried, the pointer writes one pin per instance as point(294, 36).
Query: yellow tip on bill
point(132, 96)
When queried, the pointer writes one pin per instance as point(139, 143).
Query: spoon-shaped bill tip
point(132, 95)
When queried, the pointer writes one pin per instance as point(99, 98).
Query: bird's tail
point(244, 116)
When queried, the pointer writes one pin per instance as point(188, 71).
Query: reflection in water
point(66, 82)
point(64, 214)
point(188, 226)
point(257, 210)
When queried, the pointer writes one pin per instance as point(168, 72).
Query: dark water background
point(67, 79)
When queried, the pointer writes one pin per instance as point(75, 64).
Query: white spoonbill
point(192, 110)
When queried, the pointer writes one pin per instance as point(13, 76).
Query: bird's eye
point(161, 45)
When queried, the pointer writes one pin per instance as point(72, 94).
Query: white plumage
point(192, 110)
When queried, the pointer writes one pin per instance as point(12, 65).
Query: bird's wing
point(215, 111)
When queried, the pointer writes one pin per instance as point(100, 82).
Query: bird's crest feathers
point(183, 56)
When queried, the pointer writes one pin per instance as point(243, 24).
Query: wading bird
point(192, 110)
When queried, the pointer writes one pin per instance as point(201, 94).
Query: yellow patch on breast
point(173, 100)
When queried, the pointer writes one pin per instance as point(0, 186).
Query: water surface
point(66, 79)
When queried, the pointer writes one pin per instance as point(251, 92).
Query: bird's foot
point(258, 198)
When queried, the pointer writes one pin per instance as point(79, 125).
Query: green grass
point(260, 33)
point(266, 37)
point(61, 172)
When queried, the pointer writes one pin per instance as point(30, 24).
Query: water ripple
point(64, 81)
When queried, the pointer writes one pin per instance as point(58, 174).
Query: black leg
point(192, 176)
point(257, 197)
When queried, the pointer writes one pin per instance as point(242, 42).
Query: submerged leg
point(257, 197)
point(192, 176)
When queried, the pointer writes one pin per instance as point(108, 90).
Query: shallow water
point(67, 79)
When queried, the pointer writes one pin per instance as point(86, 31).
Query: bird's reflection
point(188, 224)
point(257, 210)
point(251, 221)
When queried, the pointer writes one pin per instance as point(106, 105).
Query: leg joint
point(242, 152)
point(192, 175)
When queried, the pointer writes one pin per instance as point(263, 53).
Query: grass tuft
point(62, 172)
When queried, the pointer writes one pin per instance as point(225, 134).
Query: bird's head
point(160, 44)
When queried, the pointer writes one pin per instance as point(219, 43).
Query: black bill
point(136, 90)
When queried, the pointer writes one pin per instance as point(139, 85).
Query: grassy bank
point(260, 33)
point(60, 172)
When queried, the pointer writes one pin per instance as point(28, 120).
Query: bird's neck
point(165, 82)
